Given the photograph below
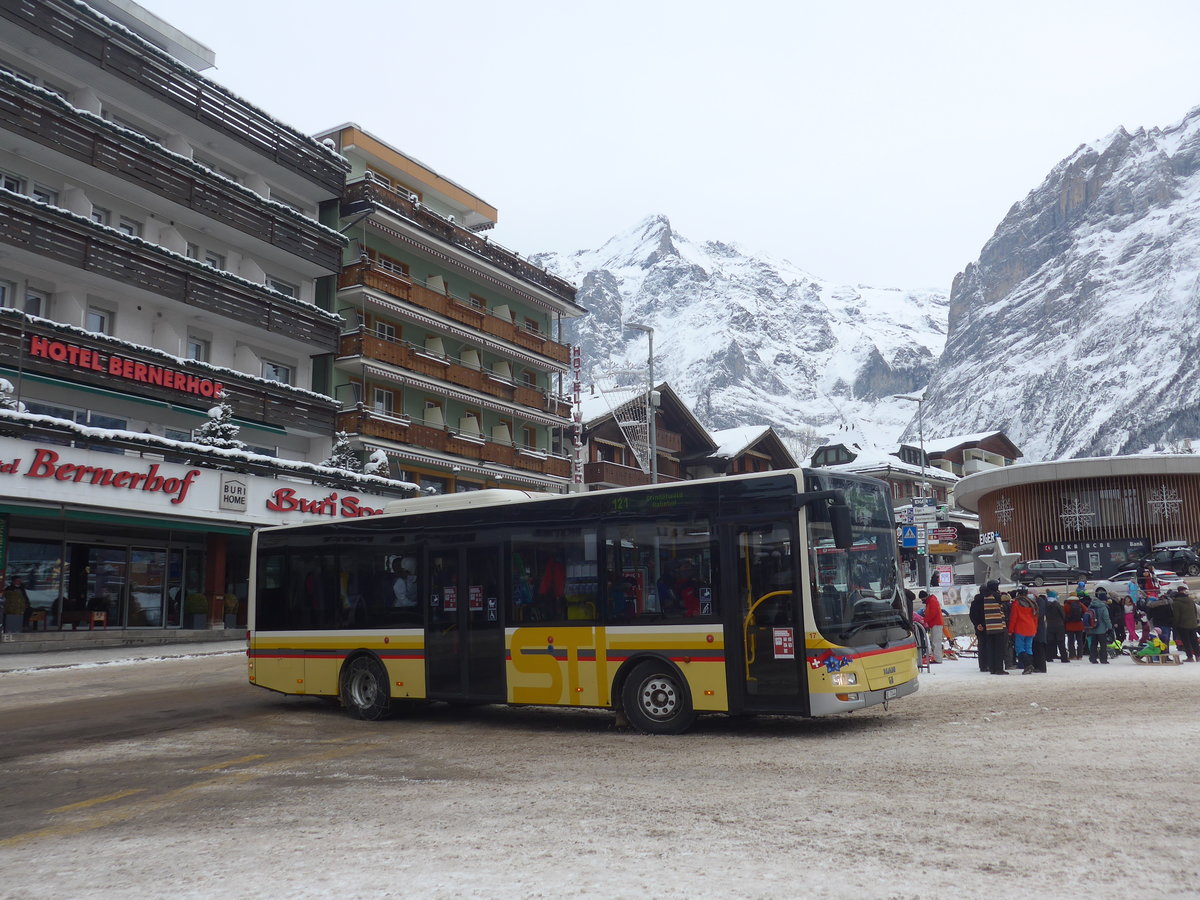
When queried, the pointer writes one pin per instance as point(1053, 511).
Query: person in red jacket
point(1023, 625)
point(934, 622)
point(1073, 625)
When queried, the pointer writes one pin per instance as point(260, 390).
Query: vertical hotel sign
point(577, 414)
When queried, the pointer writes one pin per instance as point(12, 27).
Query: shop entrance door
point(147, 587)
point(464, 640)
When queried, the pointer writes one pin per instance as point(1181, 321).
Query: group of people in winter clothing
point(1035, 628)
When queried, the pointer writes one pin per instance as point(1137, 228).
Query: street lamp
point(650, 415)
point(920, 401)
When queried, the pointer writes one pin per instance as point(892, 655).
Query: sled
point(1162, 659)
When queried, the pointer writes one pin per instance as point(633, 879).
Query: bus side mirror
point(839, 521)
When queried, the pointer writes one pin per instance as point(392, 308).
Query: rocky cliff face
point(1077, 331)
point(747, 340)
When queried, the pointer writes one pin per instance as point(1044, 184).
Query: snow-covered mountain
point(1077, 331)
point(748, 340)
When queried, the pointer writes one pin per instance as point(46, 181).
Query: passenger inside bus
point(622, 597)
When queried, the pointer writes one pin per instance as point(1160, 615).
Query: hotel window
point(8, 291)
point(100, 215)
point(37, 303)
point(388, 264)
point(530, 436)
point(125, 123)
point(383, 401)
point(198, 348)
point(529, 377)
point(131, 227)
point(532, 325)
point(216, 260)
point(43, 194)
point(213, 167)
point(385, 330)
point(11, 182)
point(273, 371)
point(283, 287)
point(99, 320)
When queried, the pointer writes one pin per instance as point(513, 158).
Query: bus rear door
point(464, 637)
point(765, 642)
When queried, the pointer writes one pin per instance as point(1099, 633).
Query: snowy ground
point(1081, 781)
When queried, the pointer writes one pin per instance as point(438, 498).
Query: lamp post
point(920, 401)
point(650, 413)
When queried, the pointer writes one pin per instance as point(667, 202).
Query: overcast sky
point(868, 142)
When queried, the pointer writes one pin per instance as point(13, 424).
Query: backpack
point(1074, 613)
point(1089, 619)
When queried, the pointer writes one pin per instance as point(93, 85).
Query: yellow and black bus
point(773, 593)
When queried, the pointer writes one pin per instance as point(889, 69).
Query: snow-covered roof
point(874, 460)
point(941, 445)
point(732, 441)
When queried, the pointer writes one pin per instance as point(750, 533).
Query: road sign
point(908, 536)
point(948, 534)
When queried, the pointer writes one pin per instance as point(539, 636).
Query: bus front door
point(767, 660)
point(464, 640)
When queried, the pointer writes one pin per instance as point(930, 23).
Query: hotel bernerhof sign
point(31, 472)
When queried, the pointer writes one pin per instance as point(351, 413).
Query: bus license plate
point(890, 693)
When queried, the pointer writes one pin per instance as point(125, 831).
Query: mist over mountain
point(746, 339)
point(1077, 331)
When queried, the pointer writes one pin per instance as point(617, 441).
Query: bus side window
point(554, 576)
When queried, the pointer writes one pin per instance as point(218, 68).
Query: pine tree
point(220, 430)
point(7, 400)
point(378, 465)
point(342, 456)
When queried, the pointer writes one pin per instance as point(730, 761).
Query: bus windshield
point(855, 592)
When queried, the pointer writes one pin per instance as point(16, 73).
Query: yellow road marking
point(83, 804)
point(108, 817)
point(231, 762)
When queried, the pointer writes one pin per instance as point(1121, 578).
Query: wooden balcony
point(404, 355)
point(671, 441)
point(608, 473)
point(83, 32)
point(367, 274)
point(377, 194)
point(365, 423)
point(53, 123)
point(251, 398)
point(57, 235)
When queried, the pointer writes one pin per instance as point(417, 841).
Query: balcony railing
point(76, 28)
point(452, 233)
point(367, 274)
point(55, 234)
point(475, 448)
point(251, 399)
point(621, 476)
point(408, 356)
point(53, 123)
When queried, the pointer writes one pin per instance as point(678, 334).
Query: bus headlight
point(844, 679)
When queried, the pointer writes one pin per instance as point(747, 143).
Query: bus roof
point(466, 500)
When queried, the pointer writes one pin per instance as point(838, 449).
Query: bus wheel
point(366, 693)
point(655, 700)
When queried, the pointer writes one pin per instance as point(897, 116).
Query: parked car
point(1179, 558)
point(1047, 571)
point(1118, 585)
